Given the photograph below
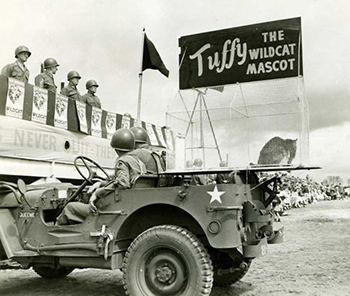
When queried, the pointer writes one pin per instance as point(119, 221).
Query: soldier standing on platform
point(71, 90)
point(90, 98)
point(46, 80)
point(18, 70)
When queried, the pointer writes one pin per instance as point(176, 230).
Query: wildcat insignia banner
point(81, 110)
point(111, 124)
point(15, 98)
point(160, 136)
point(61, 110)
point(32, 103)
point(126, 121)
point(263, 51)
point(151, 134)
point(39, 109)
point(96, 118)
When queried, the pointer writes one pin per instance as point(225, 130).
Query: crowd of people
point(297, 192)
point(17, 70)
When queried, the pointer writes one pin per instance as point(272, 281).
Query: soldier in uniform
point(128, 168)
point(90, 98)
point(142, 150)
point(18, 70)
point(71, 90)
point(46, 80)
point(200, 179)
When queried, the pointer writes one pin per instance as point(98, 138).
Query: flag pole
point(138, 119)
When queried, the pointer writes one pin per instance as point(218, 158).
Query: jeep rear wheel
point(52, 273)
point(167, 260)
point(226, 274)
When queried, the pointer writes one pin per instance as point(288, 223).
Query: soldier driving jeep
point(128, 167)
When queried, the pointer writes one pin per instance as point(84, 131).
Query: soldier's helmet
point(73, 74)
point(123, 140)
point(50, 62)
point(22, 48)
point(90, 83)
point(198, 162)
point(140, 134)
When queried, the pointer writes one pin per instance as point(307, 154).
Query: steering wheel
point(87, 180)
point(85, 160)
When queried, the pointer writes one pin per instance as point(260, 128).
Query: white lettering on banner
point(268, 67)
point(42, 141)
point(273, 36)
point(270, 52)
point(35, 140)
point(236, 49)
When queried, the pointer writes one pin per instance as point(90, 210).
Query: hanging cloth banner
point(160, 136)
point(81, 110)
point(126, 121)
point(111, 124)
point(151, 134)
point(39, 109)
point(96, 119)
point(15, 98)
point(61, 111)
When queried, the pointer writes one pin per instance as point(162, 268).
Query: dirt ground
point(313, 260)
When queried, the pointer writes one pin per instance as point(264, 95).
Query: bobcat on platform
point(278, 151)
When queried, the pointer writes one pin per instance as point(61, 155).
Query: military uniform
point(17, 71)
point(72, 92)
point(127, 169)
point(146, 157)
point(46, 80)
point(91, 100)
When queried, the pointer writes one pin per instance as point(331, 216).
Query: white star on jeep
point(215, 195)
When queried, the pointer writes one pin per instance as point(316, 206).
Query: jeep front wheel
point(167, 260)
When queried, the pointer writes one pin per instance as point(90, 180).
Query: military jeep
point(179, 239)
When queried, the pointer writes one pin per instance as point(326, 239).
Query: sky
point(102, 40)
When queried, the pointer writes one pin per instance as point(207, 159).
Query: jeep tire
point(47, 272)
point(167, 260)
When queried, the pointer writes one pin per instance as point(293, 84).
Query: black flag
point(151, 58)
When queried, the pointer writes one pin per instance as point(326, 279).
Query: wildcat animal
point(278, 151)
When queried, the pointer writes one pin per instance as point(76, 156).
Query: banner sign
point(160, 136)
point(61, 110)
point(43, 142)
point(263, 51)
point(152, 136)
point(81, 110)
point(126, 121)
point(15, 98)
point(96, 118)
point(39, 109)
point(111, 124)
point(42, 107)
